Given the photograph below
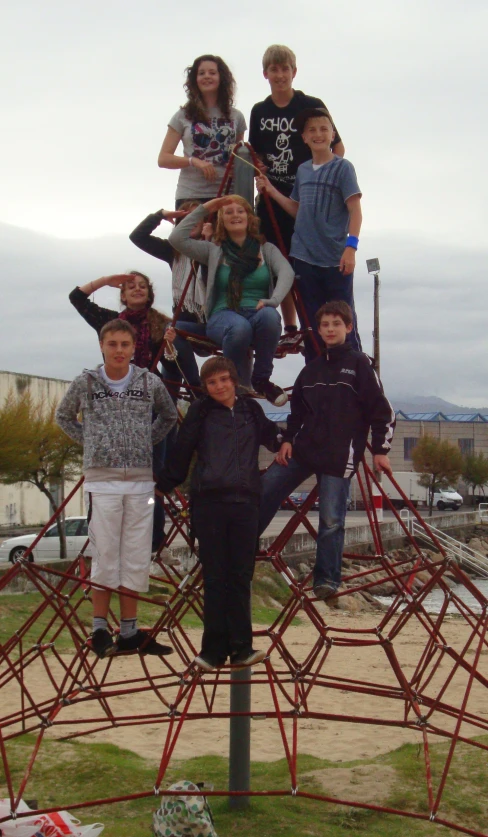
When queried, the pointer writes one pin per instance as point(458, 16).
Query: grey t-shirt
point(322, 219)
point(211, 143)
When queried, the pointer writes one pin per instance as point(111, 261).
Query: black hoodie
point(336, 400)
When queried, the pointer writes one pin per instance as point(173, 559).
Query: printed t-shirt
point(322, 219)
point(254, 287)
point(273, 135)
point(118, 388)
point(211, 143)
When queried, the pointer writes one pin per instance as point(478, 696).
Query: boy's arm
point(348, 258)
point(177, 466)
point(166, 412)
point(160, 248)
point(288, 204)
point(68, 410)
point(180, 237)
point(379, 413)
point(297, 412)
point(269, 432)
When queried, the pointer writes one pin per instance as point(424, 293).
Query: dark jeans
point(317, 285)
point(277, 484)
point(286, 223)
point(186, 363)
point(237, 331)
point(227, 536)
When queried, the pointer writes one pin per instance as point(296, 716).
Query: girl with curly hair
point(246, 282)
point(208, 126)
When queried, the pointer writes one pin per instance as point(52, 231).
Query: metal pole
point(376, 355)
point(240, 690)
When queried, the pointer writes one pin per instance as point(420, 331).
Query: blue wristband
point(352, 241)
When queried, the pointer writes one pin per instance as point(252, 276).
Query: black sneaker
point(140, 638)
point(102, 643)
point(324, 591)
point(206, 664)
point(243, 659)
point(273, 393)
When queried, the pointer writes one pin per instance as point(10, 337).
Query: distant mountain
point(408, 404)
point(432, 404)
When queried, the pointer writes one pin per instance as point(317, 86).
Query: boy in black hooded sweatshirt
point(337, 399)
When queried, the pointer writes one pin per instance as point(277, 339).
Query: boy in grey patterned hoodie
point(117, 401)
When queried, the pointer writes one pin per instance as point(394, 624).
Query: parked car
point(447, 498)
point(47, 549)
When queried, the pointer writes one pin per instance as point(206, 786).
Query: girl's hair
point(252, 221)
point(194, 107)
point(157, 321)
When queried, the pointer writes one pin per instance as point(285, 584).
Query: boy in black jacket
point(336, 400)
point(226, 431)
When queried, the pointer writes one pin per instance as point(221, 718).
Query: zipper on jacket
point(236, 448)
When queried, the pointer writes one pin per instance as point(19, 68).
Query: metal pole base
point(240, 738)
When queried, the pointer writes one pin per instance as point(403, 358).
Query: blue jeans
point(317, 285)
point(277, 484)
point(237, 331)
point(186, 359)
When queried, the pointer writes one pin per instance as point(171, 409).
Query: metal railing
point(461, 552)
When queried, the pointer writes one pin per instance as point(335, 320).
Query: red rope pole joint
point(51, 680)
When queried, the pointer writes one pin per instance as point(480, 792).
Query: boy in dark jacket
point(226, 431)
point(337, 399)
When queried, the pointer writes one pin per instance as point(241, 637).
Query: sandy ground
point(337, 740)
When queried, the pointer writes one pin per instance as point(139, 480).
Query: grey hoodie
point(117, 430)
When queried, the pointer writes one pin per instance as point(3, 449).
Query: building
point(467, 430)
point(23, 504)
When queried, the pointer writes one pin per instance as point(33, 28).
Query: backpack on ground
point(183, 816)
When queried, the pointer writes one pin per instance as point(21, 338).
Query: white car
point(447, 498)
point(47, 549)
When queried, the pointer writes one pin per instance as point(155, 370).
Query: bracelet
point(352, 241)
point(92, 291)
point(190, 161)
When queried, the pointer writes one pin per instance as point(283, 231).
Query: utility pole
point(373, 266)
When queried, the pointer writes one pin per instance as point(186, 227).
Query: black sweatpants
point(227, 534)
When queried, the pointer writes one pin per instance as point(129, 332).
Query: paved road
point(353, 518)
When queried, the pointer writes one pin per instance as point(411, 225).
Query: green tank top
point(255, 287)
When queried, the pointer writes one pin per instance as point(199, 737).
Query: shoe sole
point(253, 660)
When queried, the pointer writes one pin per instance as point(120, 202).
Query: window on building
point(466, 446)
point(408, 445)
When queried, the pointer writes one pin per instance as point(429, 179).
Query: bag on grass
point(57, 824)
point(183, 816)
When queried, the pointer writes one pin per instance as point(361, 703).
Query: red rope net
point(53, 685)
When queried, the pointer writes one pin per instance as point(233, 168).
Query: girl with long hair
point(241, 297)
point(208, 126)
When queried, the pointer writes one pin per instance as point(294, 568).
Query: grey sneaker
point(324, 591)
point(205, 663)
point(272, 392)
point(243, 659)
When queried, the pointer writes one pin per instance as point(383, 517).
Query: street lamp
point(373, 266)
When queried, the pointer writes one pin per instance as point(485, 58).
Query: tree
point(439, 463)
point(34, 449)
point(475, 470)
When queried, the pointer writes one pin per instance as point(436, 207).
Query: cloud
point(433, 331)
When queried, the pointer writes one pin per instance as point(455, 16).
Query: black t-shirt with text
point(274, 137)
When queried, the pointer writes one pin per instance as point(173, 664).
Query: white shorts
point(120, 532)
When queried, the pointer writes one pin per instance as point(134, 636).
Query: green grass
point(269, 592)
point(70, 772)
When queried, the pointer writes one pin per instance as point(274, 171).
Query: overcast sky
point(88, 89)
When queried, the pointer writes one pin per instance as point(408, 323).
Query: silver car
point(47, 549)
